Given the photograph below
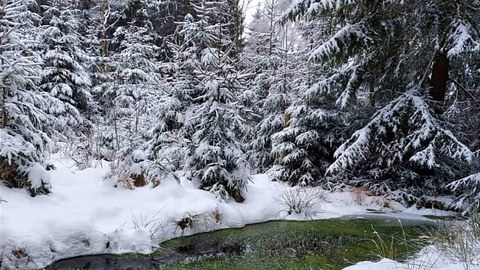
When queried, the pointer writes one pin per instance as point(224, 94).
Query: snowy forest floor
point(87, 215)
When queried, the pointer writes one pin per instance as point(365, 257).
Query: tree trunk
point(271, 30)
point(440, 68)
point(236, 11)
point(104, 14)
point(4, 88)
point(5, 112)
point(371, 94)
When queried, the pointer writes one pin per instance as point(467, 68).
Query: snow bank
point(87, 215)
point(429, 258)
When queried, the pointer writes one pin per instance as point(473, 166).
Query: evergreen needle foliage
point(380, 94)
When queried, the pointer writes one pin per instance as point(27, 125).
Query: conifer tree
point(272, 85)
point(386, 51)
point(380, 45)
point(101, 23)
point(168, 145)
point(313, 128)
point(215, 158)
point(417, 156)
point(23, 142)
point(133, 98)
point(63, 70)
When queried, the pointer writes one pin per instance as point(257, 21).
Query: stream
point(321, 244)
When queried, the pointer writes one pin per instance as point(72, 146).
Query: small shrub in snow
point(81, 152)
point(151, 224)
point(35, 178)
point(302, 200)
point(39, 180)
point(359, 194)
point(133, 169)
point(19, 253)
point(20, 256)
point(202, 222)
point(217, 215)
point(185, 222)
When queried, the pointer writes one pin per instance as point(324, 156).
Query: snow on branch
point(329, 84)
point(349, 34)
point(470, 191)
point(461, 38)
point(402, 131)
point(349, 95)
point(313, 7)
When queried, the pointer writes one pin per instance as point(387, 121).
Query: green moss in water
point(131, 256)
point(324, 244)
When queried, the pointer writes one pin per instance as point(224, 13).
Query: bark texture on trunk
point(440, 68)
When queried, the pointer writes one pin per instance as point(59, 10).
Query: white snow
point(85, 214)
point(460, 34)
point(349, 32)
point(138, 156)
point(38, 176)
point(428, 258)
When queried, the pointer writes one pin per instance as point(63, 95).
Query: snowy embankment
point(87, 215)
point(429, 258)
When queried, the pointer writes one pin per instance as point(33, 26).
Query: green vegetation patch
point(324, 244)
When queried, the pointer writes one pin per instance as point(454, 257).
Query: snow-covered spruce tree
point(390, 48)
point(169, 138)
point(266, 53)
point(272, 110)
point(302, 134)
point(313, 128)
point(215, 159)
point(22, 139)
point(257, 40)
point(102, 21)
point(133, 96)
point(391, 45)
point(403, 148)
point(258, 58)
point(463, 92)
point(463, 113)
point(464, 97)
point(65, 77)
point(168, 145)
